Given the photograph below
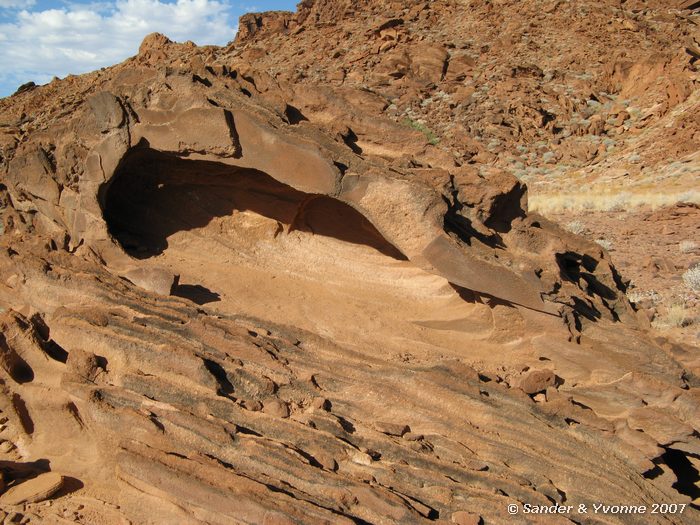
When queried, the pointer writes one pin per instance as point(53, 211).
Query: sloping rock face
point(222, 308)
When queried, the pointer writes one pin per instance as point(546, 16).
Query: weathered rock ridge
point(222, 305)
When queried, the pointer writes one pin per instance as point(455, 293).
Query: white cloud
point(16, 4)
point(83, 37)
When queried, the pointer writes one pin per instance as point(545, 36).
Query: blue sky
point(40, 39)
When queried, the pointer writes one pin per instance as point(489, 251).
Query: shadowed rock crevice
point(196, 293)
point(686, 473)
point(293, 115)
point(456, 223)
point(16, 367)
point(506, 208)
point(154, 195)
point(472, 297)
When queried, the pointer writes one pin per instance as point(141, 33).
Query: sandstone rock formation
point(238, 296)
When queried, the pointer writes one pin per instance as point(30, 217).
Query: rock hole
point(346, 425)
point(221, 462)
point(203, 81)
point(14, 365)
point(23, 413)
point(653, 473)
point(350, 139)
point(48, 345)
point(247, 431)
point(342, 167)
point(216, 370)
point(154, 195)
point(293, 115)
point(580, 405)
point(562, 495)
point(154, 419)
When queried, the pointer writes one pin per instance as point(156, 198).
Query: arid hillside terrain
point(595, 106)
point(372, 262)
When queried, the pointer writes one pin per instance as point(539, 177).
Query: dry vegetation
point(601, 200)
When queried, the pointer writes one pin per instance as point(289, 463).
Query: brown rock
point(108, 111)
point(665, 428)
point(29, 174)
point(33, 490)
point(153, 41)
point(428, 61)
point(84, 364)
point(325, 459)
point(391, 429)
point(645, 318)
point(275, 518)
point(460, 66)
point(253, 405)
point(395, 64)
point(465, 518)
point(276, 407)
point(158, 280)
point(597, 125)
point(252, 25)
point(619, 119)
point(321, 403)
point(537, 381)
point(463, 95)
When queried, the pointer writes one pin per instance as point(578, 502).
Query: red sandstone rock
point(355, 258)
point(537, 381)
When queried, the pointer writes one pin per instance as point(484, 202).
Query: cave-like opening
point(154, 195)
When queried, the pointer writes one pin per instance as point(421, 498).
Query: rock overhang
point(408, 213)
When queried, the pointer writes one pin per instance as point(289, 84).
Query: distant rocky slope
point(278, 283)
point(606, 91)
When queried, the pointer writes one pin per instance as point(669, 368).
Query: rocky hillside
point(604, 92)
point(595, 106)
point(297, 280)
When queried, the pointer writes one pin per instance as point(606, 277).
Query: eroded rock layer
point(219, 311)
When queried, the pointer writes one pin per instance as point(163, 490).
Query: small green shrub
point(425, 130)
